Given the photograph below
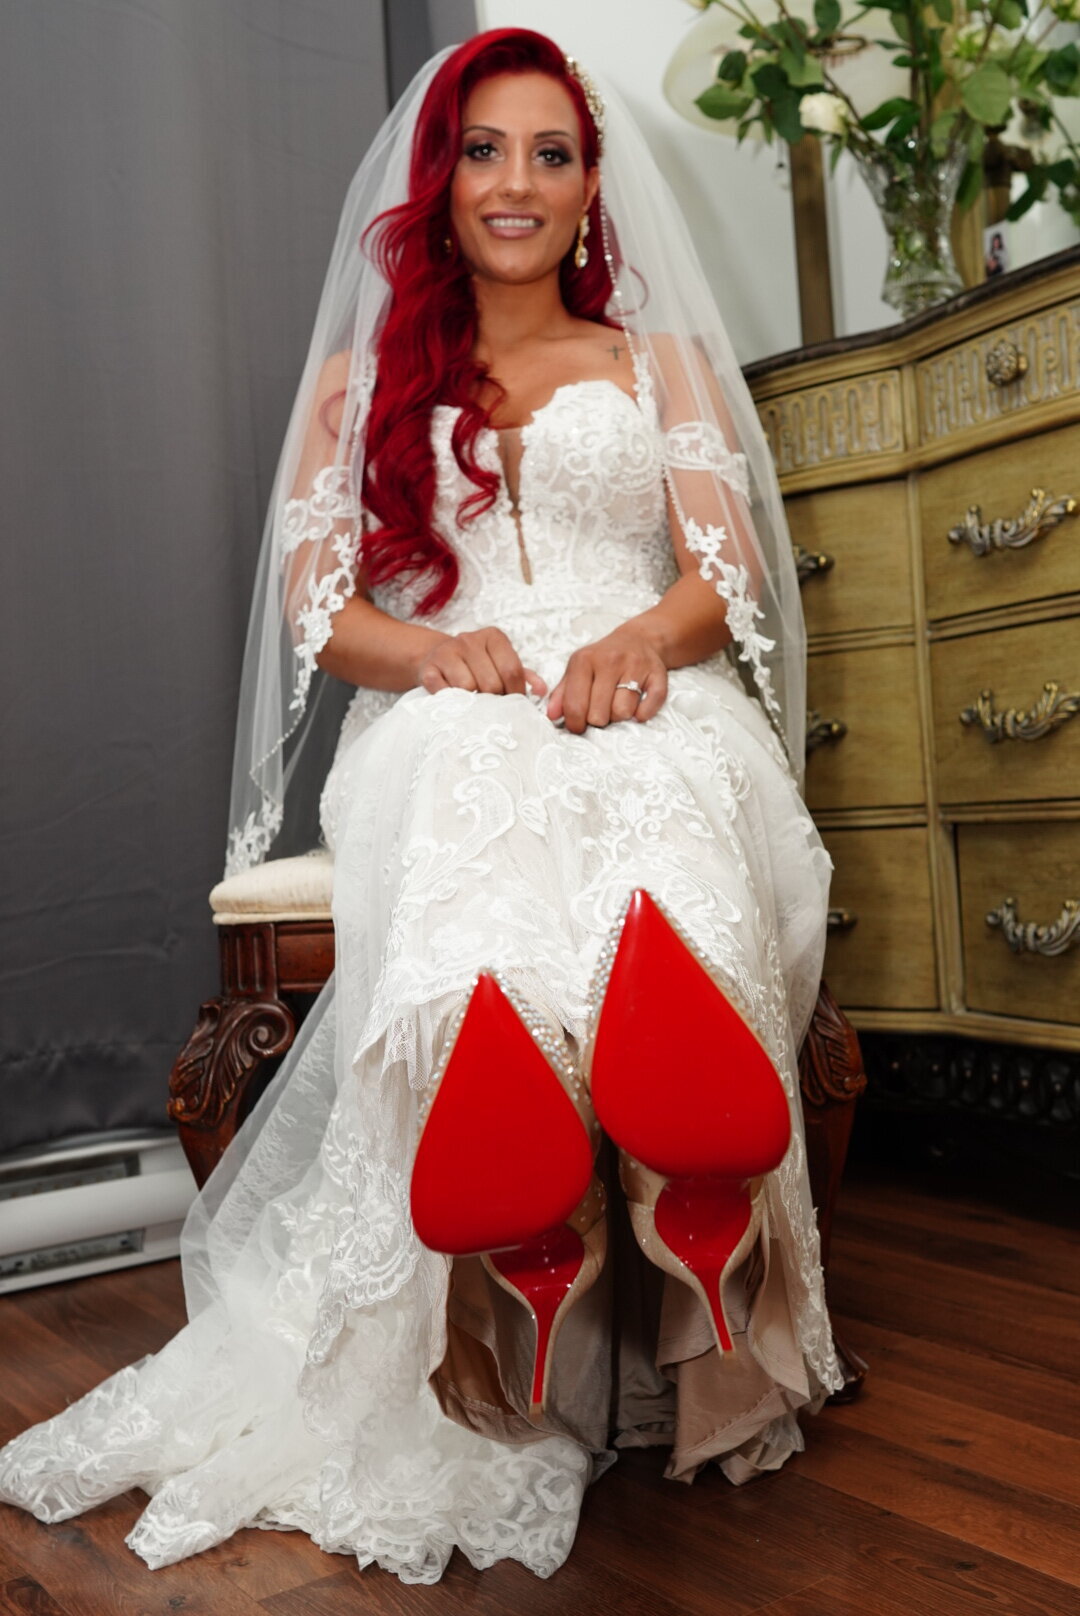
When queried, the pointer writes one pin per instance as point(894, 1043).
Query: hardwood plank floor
point(950, 1488)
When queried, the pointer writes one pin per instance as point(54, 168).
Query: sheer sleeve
point(321, 523)
point(711, 495)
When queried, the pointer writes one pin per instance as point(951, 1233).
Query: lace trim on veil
point(313, 519)
point(701, 446)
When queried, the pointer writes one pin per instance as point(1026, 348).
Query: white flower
point(824, 112)
point(968, 41)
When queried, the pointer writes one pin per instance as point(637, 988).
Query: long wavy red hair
point(425, 346)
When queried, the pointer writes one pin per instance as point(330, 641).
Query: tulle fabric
point(468, 831)
point(716, 465)
point(323, 1381)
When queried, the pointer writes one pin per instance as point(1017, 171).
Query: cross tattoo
point(615, 350)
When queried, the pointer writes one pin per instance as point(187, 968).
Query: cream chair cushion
point(280, 889)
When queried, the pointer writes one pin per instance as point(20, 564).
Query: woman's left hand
point(592, 690)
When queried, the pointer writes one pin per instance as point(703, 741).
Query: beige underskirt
point(634, 1363)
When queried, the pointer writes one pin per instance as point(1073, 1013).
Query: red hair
point(424, 348)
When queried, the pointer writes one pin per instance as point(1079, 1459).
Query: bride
point(524, 507)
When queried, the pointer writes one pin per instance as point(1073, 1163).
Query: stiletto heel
point(504, 1166)
point(701, 1230)
point(684, 1087)
point(550, 1273)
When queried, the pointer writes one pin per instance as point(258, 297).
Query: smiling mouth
point(512, 224)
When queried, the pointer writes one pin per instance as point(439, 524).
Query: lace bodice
point(589, 525)
point(585, 545)
point(468, 831)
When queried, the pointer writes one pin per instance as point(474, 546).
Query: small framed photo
point(995, 250)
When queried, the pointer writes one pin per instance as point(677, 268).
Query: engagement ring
point(631, 684)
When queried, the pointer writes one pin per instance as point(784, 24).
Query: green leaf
point(902, 128)
point(804, 74)
point(942, 128)
point(1061, 69)
point(793, 37)
point(887, 111)
point(721, 103)
point(1035, 192)
point(970, 187)
point(1027, 69)
point(944, 9)
point(732, 68)
point(770, 80)
point(988, 94)
point(1063, 171)
point(785, 111)
point(827, 15)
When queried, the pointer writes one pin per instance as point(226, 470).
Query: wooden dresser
point(931, 474)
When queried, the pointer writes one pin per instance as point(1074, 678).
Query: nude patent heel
point(683, 1086)
point(504, 1166)
point(550, 1273)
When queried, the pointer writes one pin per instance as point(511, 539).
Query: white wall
point(857, 252)
point(736, 199)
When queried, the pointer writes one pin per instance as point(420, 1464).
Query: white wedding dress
point(469, 831)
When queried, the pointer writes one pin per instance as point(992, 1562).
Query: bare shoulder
point(670, 355)
point(605, 352)
point(334, 375)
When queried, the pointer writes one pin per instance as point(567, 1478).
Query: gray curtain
point(171, 173)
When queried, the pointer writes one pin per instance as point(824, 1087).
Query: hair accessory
point(593, 99)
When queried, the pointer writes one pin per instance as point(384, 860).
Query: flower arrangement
point(956, 71)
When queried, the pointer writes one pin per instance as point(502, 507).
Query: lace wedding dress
point(322, 1383)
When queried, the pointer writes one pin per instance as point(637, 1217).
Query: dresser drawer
point(955, 390)
point(864, 532)
point(1000, 482)
point(1014, 665)
point(1037, 866)
point(885, 960)
point(878, 761)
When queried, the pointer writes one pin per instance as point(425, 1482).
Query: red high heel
point(685, 1089)
point(504, 1167)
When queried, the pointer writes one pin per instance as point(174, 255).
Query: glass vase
point(916, 198)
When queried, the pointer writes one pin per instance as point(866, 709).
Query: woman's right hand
point(480, 659)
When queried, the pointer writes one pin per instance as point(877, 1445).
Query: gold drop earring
point(581, 252)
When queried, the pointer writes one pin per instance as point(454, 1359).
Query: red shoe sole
point(504, 1155)
point(679, 1080)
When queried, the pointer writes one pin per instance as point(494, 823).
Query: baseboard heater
point(87, 1206)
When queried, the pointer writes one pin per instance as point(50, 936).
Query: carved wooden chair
point(277, 951)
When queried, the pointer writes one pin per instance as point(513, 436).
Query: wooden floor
point(951, 1487)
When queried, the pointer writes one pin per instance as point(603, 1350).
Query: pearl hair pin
point(593, 99)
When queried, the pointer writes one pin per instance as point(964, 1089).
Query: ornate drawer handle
point(1052, 709)
point(810, 563)
point(1005, 363)
point(1040, 516)
point(821, 730)
point(841, 920)
point(1027, 937)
